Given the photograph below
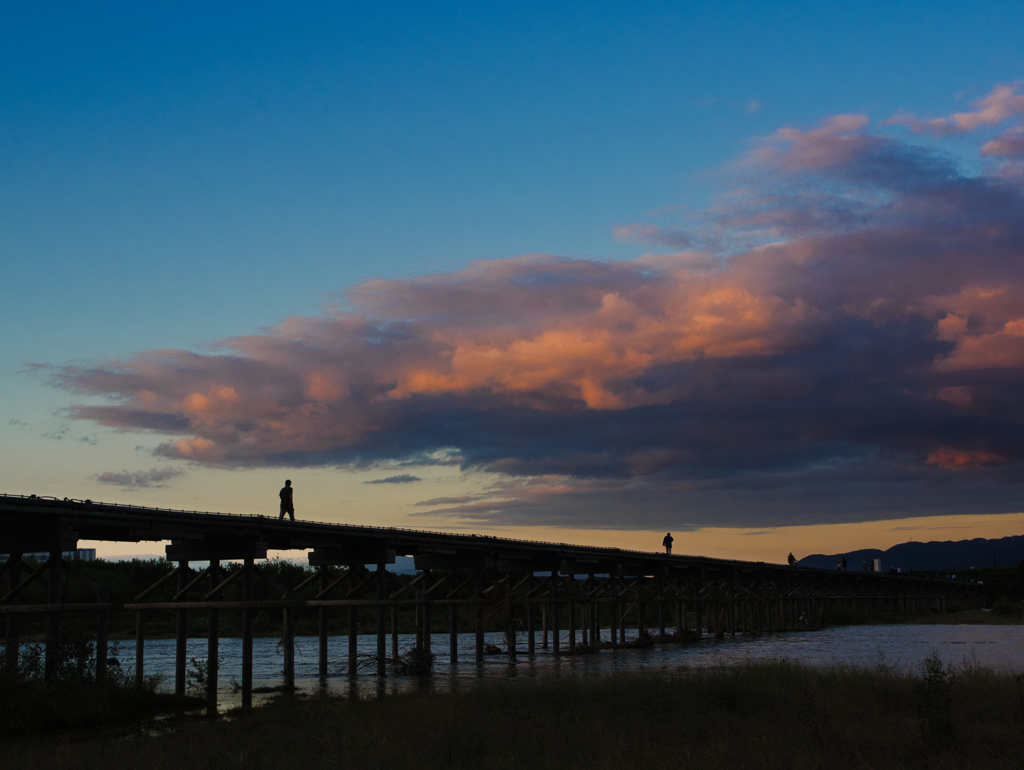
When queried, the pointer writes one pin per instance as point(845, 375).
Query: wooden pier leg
point(531, 629)
point(102, 630)
point(572, 626)
point(661, 618)
point(394, 633)
point(248, 591)
point(554, 614)
point(427, 636)
point(323, 631)
point(288, 645)
point(613, 619)
point(382, 640)
point(140, 648)
point(544, 625)
point(52, 618)
point(212, 667)
point(212, 648)
point(353, 639)
point(453, 625)
point(478, 607)
point(12, 639)
point(181, 634)
point(586, 624)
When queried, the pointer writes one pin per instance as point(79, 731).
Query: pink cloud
point(1009, 144)
point(1002, 103)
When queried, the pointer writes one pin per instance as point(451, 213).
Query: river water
point(999, 647)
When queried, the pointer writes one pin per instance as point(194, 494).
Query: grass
point(72, 698)
point(760, 715)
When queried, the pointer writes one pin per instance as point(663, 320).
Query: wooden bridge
point(593, 593)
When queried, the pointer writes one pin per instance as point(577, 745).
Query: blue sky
point(171, 176)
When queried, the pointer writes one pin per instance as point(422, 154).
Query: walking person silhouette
point(667, 542)
point(287, 503)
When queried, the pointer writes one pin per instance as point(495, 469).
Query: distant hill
point(961, 554)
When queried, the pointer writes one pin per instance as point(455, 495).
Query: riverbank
point(847, 616)
point(759, 715)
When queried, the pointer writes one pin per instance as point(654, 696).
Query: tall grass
point(760, 715)
point(71, 697)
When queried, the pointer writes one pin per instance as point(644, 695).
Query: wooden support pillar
point(511, 632)
point(323, 630)
point(572, 626)
point(12, 639)
point(586, 624)
point(394, 633)
point(478, 606)
point(181, 634)
point(731, 605)
point(544, 625)
point(554, 614)
point(453, 625)
point(531, 611)
point(382, 641)
point(52, 618)
point(427, 609)
point(288, 644)
point(613, 621)
point(212, 648)
point(102, 630)
point(353, 639)
point(661, 618)
point(140, 648)
point(248, 595)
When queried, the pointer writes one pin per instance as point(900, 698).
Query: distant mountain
point(962, 554)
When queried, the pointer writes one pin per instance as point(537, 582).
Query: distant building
point(82, 554)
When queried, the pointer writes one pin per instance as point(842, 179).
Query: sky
point(747, 272)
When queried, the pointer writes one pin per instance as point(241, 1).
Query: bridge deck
point(33, 523)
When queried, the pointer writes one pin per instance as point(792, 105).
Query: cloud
point(404, 478)
point(642, 232)
point(1009, 144)
point(1002, 103)
point(841, 337)
point(151, 478)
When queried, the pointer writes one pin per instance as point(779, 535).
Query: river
point(1000, 647)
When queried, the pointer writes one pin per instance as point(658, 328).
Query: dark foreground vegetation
point(765, 715)
point(72, 698)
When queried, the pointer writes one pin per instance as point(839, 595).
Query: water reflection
point(901, 645)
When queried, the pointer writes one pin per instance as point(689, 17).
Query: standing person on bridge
point(792, 559)
point(287, 504)
point(667, 542)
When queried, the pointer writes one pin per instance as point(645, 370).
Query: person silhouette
point(667, 542)
point(287, 503)
point(792, 559)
